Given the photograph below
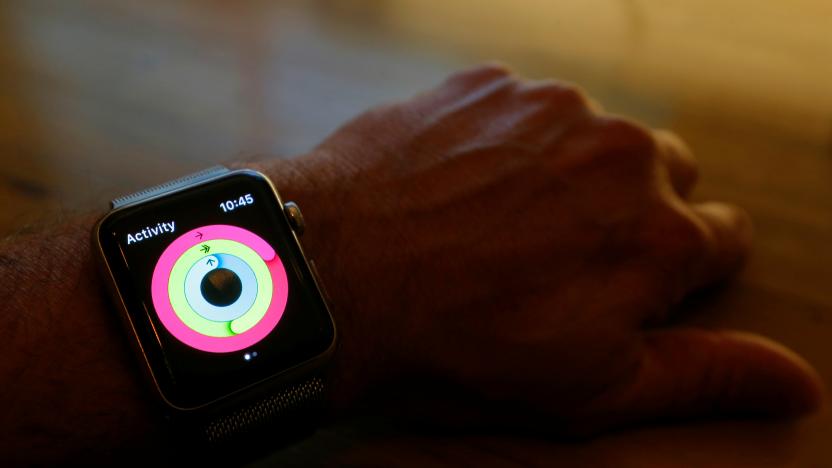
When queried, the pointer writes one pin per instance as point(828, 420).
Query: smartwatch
point(226, 312)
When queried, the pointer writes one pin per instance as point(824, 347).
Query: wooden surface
point(99, 98)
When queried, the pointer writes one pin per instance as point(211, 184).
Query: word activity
point(149, 232)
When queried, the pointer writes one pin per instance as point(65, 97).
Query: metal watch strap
point(171, 186)
point(293, 401)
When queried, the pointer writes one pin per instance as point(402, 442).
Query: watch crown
point(292, 211)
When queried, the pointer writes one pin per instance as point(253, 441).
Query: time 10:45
point(231, 205)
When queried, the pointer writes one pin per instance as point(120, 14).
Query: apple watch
point(225, 311)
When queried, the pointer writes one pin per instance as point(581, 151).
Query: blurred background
point(100, 98)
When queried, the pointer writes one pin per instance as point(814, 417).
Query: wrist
point(314, 184)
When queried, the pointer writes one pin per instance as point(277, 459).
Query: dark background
point(100, 98)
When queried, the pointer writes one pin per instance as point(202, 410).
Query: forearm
point(71, 386)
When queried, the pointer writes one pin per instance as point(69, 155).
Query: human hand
point(511, 255)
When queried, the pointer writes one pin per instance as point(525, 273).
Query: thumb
point(691, 372)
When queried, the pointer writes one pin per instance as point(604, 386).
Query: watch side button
point(295, 217)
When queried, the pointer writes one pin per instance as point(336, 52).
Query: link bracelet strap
point(171, 186)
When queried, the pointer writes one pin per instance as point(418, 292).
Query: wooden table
point(102, 98)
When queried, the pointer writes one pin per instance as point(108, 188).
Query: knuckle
point(483, 73)
point(682, 236)
point(674, 143)
point(624, 138)
point(678, 154)
point(691, 170)
point(628, 132)
point(557, 93)
point(491, 69)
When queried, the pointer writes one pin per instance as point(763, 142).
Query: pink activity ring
point(194, 339)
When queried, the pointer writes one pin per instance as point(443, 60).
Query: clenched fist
point(501, 251)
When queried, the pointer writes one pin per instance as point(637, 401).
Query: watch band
point(295, 403)
point(168, 187)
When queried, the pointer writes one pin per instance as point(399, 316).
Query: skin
point(499, 252)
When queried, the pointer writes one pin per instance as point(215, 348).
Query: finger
point(692, 372)
point(727, 234)
point(679, 161)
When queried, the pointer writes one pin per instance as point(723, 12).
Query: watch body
point(221, 302)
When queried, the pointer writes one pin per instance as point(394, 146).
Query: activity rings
point(219, 288)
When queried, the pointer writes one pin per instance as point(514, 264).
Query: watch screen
point(216, 288)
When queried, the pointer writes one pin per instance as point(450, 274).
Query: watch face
point(216, 288)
